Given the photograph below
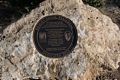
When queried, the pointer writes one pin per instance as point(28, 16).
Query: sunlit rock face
point(97, 49)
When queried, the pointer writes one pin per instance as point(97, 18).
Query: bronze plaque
point(55, 36)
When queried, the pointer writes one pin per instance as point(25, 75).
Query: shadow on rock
point(110, 75)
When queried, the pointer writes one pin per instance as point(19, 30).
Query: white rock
point(98, 43)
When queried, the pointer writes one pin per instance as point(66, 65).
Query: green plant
point(94, 3)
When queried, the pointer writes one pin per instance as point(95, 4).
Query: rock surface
point(97, 50)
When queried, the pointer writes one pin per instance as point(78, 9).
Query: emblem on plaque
point(68, 35)
point(42, 36)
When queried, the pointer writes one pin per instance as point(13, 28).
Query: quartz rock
point(97, 49)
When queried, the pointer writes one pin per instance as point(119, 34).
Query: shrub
point(94, 3)
point(117, 2)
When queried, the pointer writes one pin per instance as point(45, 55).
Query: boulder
point(97, 49)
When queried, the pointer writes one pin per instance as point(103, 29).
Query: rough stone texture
point(97, 50)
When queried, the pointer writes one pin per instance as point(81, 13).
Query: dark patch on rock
point(12, 10)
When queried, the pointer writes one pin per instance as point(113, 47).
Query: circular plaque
point(55, 36)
